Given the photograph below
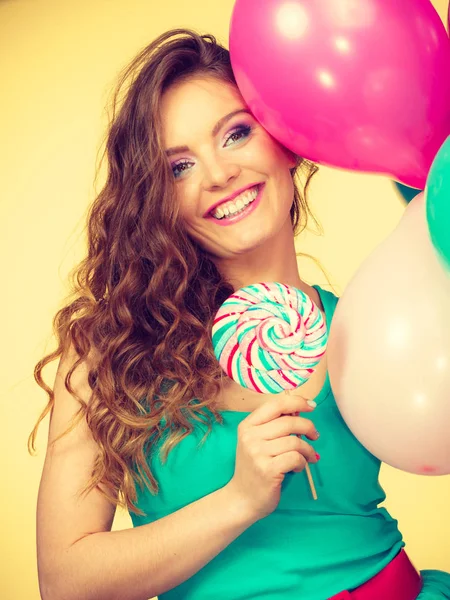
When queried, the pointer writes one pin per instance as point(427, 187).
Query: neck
point(274, 260)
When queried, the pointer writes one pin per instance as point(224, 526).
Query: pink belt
point(399, 580)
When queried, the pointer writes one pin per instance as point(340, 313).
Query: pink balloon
point(356, 84)
point(389, 351)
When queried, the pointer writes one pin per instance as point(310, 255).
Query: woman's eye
point(179, 168)
point(240, 133)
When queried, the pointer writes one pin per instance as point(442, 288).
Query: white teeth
point(236, 205)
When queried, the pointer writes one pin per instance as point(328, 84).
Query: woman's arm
point(80, 558)
point(137, 564)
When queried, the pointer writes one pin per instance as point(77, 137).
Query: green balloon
point(408, 193)
point(437, 199)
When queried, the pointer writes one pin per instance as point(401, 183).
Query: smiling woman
point(224, 159)
point(141, 412)
point(137, 369)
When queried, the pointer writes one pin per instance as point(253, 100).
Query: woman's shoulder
point(328, 298)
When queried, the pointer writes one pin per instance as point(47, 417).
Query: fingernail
point(317, 434)
point(311, 403)
point(317, 456)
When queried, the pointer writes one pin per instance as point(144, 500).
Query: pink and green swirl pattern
point(268, 337)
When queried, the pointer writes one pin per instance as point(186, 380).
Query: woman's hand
point(267, 450)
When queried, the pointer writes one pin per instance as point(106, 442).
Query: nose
point(219, 172)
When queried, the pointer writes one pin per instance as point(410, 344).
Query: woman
point(211, 472)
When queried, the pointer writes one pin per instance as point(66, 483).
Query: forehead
point(194, 106)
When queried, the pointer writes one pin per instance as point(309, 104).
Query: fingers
point(289, 461)
point(282, 404)
point(291, 443)
point(288, 425)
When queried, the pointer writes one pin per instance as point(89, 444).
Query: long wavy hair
point(144, 298)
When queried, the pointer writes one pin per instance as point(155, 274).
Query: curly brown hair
point(144, 298)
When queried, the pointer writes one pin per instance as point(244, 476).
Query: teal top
point(308, 549)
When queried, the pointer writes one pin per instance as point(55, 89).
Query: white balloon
point(389, 350)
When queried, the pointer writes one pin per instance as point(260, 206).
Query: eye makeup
point(240, 129)
point(238, 134)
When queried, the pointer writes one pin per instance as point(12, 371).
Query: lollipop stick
point(308, 474)
point(311, 482)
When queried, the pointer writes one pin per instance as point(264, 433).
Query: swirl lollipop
point(268, 337)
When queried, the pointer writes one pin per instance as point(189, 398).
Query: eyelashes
point(245, 130)
point(238, 133)
point(179, 165)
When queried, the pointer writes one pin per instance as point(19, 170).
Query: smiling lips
point(234, 217)
point(236, 205)
point(231, 200)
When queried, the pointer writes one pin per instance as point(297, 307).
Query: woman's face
point(216, 149)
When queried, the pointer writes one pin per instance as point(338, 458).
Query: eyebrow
point(216, 129)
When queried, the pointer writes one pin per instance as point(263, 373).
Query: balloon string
point(308, 472)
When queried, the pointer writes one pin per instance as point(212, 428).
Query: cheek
point(186, 201)
point(274, 153)
point(269, 148)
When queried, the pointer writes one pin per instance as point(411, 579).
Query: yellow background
point(58, 62)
